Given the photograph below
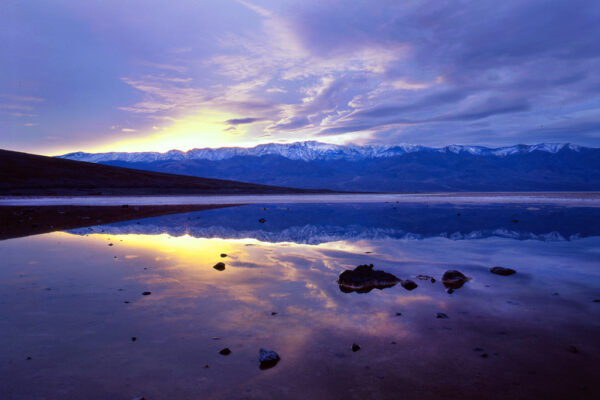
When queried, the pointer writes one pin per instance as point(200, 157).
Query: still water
point(71, 303)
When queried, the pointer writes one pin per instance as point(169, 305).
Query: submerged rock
point(502, 271)
point(267, 358)
point(408, 284)
point(219, 266)
point(426, 278)
point(363, 279)
point(146, 293)
point(225, 351)
point(223, 255)
point(441, 315)
point(454, 279)
point(262, 220)
point(355, 347)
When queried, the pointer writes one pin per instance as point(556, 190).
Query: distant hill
point(28, 174)
point(407, 168)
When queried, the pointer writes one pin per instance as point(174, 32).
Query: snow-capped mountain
point(377, 168)
point(311, 151)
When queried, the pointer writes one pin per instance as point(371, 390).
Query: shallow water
point(63, 303)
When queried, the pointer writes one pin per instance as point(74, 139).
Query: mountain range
point(379, 168)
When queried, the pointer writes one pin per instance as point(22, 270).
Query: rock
point(267, 358)
point(502, 271)
point(441, 315)
point(573, 349)
point(219, 266)
point(450, 291)
point(110, 244)
point(596, 300)
point(454, 279)
point(139, 398)
point(225, 351)
point(355, 347)
point(223, 255)
point(363, 279)
point(146, 293)
point(273, 313)
point(398, 314)
point(206, 366)
point(262, 220)
point(28, 357)
point(133, 339)
point(408, 284)
point(514, 221)
point(484, 355)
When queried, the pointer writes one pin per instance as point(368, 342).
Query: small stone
point(223, 255)
point(146, 293)
point(225, 351)
point(110, 244)
point(133, 339)
point(29, 358)
point(206, 366)
point(454, 279)
point(514, 221)
point(502, 271)
point(126, 302)
point(484, 355)
point(215, 338)
point(364, 278)
point(355, 347)
point(458, 214)
point(408, 284)
point(262, 220)
point(398, 314)
point(596, 301)
point(450, 291)
point(139, 398)
point(273, 313)
point(573, 349)
point(441, 315)
point(393, 343)
point(267, 358)
point(219, 266)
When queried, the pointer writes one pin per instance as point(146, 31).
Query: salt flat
point(575, 199)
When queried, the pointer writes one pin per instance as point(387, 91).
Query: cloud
point(240, 121)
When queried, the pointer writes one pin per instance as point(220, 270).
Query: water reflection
point(314, 224)
point(72, 303)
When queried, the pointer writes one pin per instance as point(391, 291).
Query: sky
point(137, 75)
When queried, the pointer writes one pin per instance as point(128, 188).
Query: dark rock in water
point(398, 314)
point(225, 351)
point(355, 347)
point(139, 398)
point(223, 255)
point(441, 315)
point(514, 221)
point(206, 366)
point(450, 291)
point(110, 244)
point(125, 206)
point(133, 339)
point(363, 279)
point(262, 220)
point(573, 349)
point(219, 266)
point(28, 357)
point(408, 284)
point(454, 279)
point(147, 293)
point(267, 358)
point(273, 313)
point(484, 355)
point(502, 271)
point(596, 300)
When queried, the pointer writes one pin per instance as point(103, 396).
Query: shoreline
point(587, 199)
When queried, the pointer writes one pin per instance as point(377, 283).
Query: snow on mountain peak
point(312, 150)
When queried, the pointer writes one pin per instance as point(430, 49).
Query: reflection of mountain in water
point(313, 224)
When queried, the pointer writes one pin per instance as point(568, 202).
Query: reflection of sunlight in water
point(297, 280)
